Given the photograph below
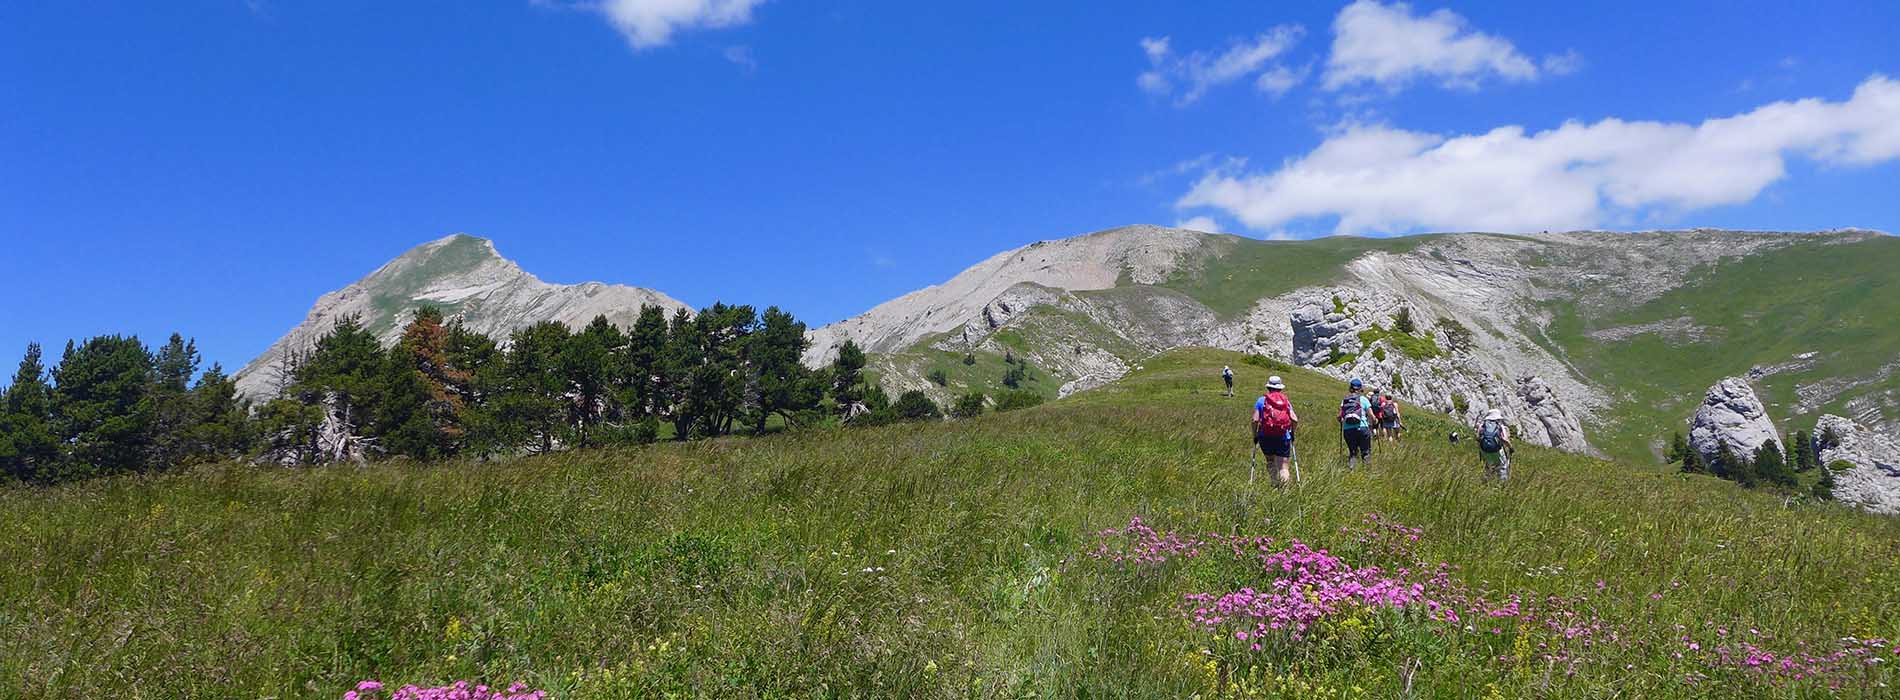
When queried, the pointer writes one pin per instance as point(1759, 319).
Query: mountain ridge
point(469, 280)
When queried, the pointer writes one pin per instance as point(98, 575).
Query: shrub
point(1012, 400)
point(1403, 321)
point(1013, 377)
point(969, 358)
point(1397, 383)
point(968, 405)
point(1458, 402)
point(1456, 334)
point(1378, 353)
point(939, 377)
point(915, 405)
point(1267, 362)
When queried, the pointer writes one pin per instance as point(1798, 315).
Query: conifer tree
point(587, 365)
point(221, 426)
point(680, 359)
point(1403, 322)
point(1824, 488)
point(915, 405)
point(847, 377)
point(173, 367)
point(532, 409)
point(1803, 457)
point(640, 366)
point(29, 450)
point(784, 386)
point(1771, 466)
point(102, 405)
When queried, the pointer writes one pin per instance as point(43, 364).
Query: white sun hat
point(1494, 414)
point(1274, 382)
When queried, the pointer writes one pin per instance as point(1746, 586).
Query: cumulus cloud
point(1379, 179)
point(1193, 74)
point(1388, 46)
point(651, 23)
point(1204, 224)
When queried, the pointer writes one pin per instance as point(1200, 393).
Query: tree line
point(112, 406)
point(1766, 467)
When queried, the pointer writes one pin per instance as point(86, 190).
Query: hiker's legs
point(1358, 446)
point(1276, 467)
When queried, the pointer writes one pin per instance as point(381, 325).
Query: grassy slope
point(1763, 309)
point(1242, 271)
point(736, 568)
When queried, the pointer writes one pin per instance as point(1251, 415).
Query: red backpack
point(1275, 417)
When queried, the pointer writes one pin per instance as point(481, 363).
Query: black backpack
point(1352, 410)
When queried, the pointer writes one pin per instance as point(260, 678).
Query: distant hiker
point(1388, 412)
point(1355, 424)
point(1227, 375)
point(1273, 424)
point(1494, 445)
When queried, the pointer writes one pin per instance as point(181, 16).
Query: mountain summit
point(468, 280)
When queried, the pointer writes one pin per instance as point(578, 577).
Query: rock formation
point(1731, 416)
point(1873, 482)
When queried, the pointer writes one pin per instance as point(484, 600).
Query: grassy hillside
point(961, 559)
point(1838, 299)
point(1240, 271)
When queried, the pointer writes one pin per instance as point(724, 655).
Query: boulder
point(1731, 416)
point(1873, 482)
point(1561, 430)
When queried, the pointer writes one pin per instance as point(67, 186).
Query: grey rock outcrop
point(1561, 429)
point(1732, 417)
point(1873, 482)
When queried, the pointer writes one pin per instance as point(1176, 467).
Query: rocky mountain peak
point(469, 280)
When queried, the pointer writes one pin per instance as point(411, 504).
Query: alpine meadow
point(766, 350)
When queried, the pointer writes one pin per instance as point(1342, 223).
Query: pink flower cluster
point(1306, 585)
point(459, 690)
point(1302, 586)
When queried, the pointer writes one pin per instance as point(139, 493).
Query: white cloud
point(1203, 224)
point(741, 56)
point(1194, 73)
point(1389, 46)
point(651, 23)
point(1383, 179)
point(1276, 81)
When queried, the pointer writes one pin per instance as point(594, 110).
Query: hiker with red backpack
point(1355, 424)
point(1387, 410)
point(1273, 424)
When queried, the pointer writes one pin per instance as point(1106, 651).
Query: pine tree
point(915, 405)
point(1803, 457)
point(1770, 466)
point(1403, 322)
point(102, 405)
point(173, 367)
point(847, 377)
point(969, 405)
point(587, 363)
point(640, 364)
point(784, 386)
point(532, 409)
point(221, 426)
point(1692, 463)
point(1678, 450)
point(680, 359)
point(1824, 488)
point(29, 450)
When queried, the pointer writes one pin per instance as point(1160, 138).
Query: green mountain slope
point(938, 560)
point(1839, 301)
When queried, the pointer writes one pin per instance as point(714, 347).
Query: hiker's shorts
point(1358, 442)
point(1389, 424)
point(1281, 446)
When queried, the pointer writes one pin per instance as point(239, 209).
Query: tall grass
point(940, 560)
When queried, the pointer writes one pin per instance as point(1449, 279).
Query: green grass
point(1413, 346)
point(1242, 271)
point(737, 567)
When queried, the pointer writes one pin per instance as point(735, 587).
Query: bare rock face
point(1731, 416)
point(1873, 482)
point(1561, 430)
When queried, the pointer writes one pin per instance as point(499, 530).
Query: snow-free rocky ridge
point(469, 281)
point(1084, 310)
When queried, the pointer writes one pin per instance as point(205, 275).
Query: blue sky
point(212, 167)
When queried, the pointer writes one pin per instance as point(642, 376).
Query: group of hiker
point(1366, 415)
